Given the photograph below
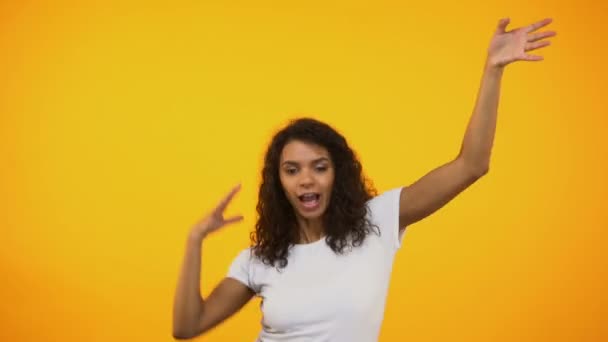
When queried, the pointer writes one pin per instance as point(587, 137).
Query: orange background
point(123, 122)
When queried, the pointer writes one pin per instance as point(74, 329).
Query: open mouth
point(310, 200)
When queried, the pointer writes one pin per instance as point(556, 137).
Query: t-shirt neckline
point(310, 244)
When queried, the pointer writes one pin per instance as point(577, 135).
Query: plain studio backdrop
point(122, 123)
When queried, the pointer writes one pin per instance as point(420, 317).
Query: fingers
point(220, 224)
point(538, 24)
point(534, 39)
point(540, 35)
point(233, 219)
point(532, 58)
point(224, 203)
point(537, 45)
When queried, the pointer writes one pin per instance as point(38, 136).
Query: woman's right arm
point(193, 315)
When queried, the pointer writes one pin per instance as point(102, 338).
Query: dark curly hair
point(345, 219)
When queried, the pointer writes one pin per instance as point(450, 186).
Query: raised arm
point(193, 315)
point(441, 185)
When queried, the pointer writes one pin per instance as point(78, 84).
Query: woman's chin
point(311, 214)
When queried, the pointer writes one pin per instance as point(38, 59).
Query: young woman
point(323, 248)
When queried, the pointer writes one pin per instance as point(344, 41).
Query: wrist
point(493, 67)
point(197, 237)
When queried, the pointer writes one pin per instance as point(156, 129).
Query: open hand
point(510, 46)
point(215, 219)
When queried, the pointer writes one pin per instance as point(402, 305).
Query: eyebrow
point(291, 162)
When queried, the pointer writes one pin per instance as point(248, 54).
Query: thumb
point(233, 219)
point(502, 25)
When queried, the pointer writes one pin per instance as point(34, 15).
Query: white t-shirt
point(323, 296)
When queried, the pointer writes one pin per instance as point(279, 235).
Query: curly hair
point(345, 219)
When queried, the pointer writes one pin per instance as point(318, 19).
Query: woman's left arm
point(441, 185)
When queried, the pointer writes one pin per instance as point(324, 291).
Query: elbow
point(185, 326)
point(475, 167)
point(178, 335)
point(478, 171)
point(475, 170)
point(482, 171)
point(183, 334)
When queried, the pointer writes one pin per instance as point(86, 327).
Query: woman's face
point(307, 175)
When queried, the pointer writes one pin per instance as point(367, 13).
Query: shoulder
point(242, 267)
point(245, 256)
point(385, 203)
point(247, 259)
point(383, 212)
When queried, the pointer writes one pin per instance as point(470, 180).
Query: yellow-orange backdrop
point(123, 122)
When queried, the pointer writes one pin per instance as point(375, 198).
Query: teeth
point(308, 197)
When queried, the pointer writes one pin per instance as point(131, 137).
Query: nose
point(306, 179)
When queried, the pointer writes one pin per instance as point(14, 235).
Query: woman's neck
point(310, 230)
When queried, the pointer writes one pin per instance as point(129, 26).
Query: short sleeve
point(240, 268)
point(384, 212)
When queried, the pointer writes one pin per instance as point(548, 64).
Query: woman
point(324, 242)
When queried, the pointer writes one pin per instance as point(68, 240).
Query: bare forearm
point(188, 302)
point(479, 137)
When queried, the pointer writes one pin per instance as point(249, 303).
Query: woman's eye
point(290, 171)
point(321, 168)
